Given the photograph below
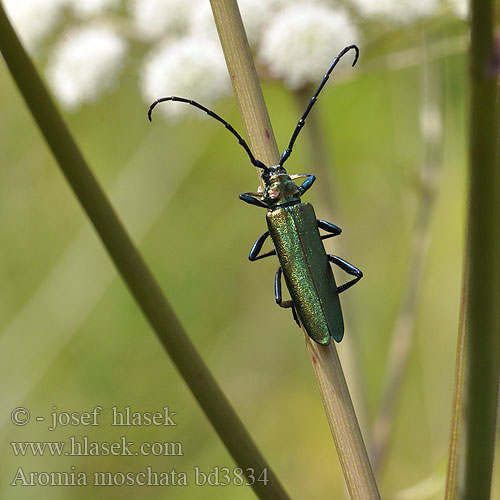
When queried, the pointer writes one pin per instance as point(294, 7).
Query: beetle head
point(279, 189)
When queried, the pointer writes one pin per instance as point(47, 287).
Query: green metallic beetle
point(294, 230)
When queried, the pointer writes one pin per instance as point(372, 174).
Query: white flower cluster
point(187, 59)
point(158, 19)
point(34, 19)
point(85, 9)
point(460, 8)
point(259, 16)
point(295, 40)
point(86, 60)
point(184, 68)
point(396, 11)
point(303, 40)
point(84, 63)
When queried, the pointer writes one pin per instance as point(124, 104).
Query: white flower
point(34, 19)
point(187, 69)
point(202, 24)
point(396, 11)
point(257, 16)
point(155, 19)
point(91, 8)
point(85, 62)
point(460, 7)
point(302, 41)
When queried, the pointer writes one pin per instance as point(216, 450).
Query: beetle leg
point(295, 317)
point(257, 247)
point(277, 290)
point(331, 228)
point(251, 198)
point(299, 176)
point(277, 293)
point(306, 184)
point(349, 269)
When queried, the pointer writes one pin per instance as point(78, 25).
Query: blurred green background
point(72, 337)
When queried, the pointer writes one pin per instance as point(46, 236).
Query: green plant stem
point(130, 265)
point(482, 318)
point(327, 368)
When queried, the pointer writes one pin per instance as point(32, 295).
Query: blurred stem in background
point(321, 160)
point(132, 268)
point(452, 473)
point(402, 337)
point(474, 450)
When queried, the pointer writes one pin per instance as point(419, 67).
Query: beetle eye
point(273, 192)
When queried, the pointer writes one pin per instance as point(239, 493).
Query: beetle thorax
point(279, 188)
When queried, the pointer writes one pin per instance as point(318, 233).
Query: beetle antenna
point(302, 120)
point(210, 113)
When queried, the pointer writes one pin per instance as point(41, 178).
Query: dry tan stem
point(343, 423)
point(245, 82)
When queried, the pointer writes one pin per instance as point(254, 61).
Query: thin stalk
point(131, 266)
point(402, 336)
point(342, 420)
point(482, 319)
point(245, 82)
point(452, 473)
point(337, 402)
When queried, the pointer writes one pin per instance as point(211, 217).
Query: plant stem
point(453, 469)
point(482, 319)
point(130, 265)
point(246, 85)
point(343, 423)
point(337, 402)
